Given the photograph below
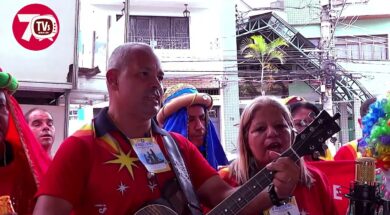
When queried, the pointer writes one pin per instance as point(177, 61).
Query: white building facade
point(199, 49)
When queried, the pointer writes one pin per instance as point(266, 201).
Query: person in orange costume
point(22, 159)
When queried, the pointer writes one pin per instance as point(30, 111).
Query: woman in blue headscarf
point(184, 111)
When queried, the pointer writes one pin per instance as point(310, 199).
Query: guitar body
point(155, 209)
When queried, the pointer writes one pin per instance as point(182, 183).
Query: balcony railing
point(163, 42)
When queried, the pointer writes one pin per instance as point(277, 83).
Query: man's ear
point(112, 79)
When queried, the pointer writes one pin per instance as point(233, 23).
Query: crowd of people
point(152, 151)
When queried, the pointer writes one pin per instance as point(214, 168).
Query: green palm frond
point(276, 55)
point(260, 43)
point(256, 47)
point(244, 44)
point(275, 44)
point(253, 47)
point(251, 54)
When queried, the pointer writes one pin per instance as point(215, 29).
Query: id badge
point(290, 208)
point(150, 154)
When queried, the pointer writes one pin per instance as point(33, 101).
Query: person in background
point(350, 150)
point(266, 127)
point(119, 162)
point(41, 124)
point(185, 111)
point(23, 161)
point(303, 113)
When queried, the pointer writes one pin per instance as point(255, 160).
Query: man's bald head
point(121, 56)
point(134, 78)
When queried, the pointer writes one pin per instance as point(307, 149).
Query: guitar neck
point(243, 195)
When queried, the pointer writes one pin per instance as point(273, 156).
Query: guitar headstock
point(312, 139)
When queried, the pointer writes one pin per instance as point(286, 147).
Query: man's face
point(196, 124)
point(3, 117)
point(139, 89)
point(302, 117)
point(41, 124)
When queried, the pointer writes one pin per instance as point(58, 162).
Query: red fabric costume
point(348, 151)
point(20, 178)
point(314, 200)
point(81, 175)
point(340, 175)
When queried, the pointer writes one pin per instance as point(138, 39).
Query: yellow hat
point(292, 99)
point(179, 96)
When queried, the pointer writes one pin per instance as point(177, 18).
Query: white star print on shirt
point(122, 188)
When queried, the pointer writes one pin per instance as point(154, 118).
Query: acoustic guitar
point(310, 141)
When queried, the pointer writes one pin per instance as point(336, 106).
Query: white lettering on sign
point(27, 18)
point(45, 25)
point(336, 192)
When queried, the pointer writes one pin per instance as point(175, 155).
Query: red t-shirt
point(17, 181)
point(80, 175)
point(314, 200)
point(347, 152)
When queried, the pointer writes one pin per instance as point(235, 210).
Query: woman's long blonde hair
point(240, 167)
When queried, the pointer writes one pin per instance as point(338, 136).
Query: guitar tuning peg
point(324, 147)
point(336, 116)
point(333, 139)
point(316, 155)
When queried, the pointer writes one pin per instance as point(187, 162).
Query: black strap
point(180, 170)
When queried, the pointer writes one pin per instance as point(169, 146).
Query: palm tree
point(258, 49)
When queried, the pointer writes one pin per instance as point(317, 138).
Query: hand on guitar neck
point(286, 175)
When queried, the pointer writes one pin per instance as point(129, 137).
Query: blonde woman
point(266, 128)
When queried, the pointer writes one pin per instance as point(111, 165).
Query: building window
point(73, 115)
point(362, 47)
point(160, 32)
point(210, 91)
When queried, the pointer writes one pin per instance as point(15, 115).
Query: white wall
point(376, 75)
point(372, 7)
point(373, 72)
point(58, 114)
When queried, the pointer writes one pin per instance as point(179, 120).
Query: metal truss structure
point(302, 63)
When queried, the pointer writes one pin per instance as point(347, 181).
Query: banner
point(340, 175)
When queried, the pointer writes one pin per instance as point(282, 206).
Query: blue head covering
point(178, 121)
